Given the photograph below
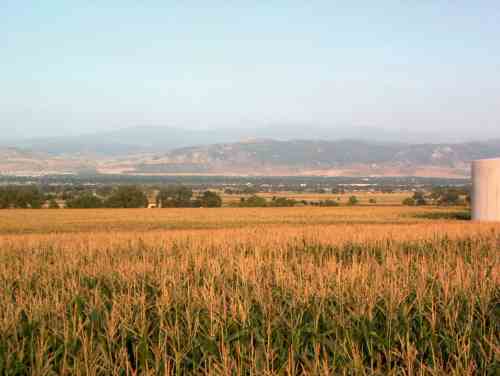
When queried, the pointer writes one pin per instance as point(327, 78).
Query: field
point(264, 291)
point(342, 198)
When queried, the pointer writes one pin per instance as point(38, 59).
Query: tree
point(328, 203)
point(353, 200)
point(104, 191)
point(29, 197)
point(6, 197)
point(436, 193)
point(249, 190)
point(21, 197)
point(419, 198)
point(253, 201)
point(283, 202)
point(127, 197)
point(86, 200)
point(175, 197)
point(210, 200)
point(53, 204)
point(409, 201)
point(450, 197)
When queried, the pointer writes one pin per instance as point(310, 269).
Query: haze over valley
point(274, 88)
point(271, 151)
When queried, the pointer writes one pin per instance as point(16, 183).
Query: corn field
point(416, 298)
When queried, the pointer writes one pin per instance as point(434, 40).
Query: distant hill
point(264, 157)
point(126, 141)
point(310, 157)
point(15, 161)
point(147, 139)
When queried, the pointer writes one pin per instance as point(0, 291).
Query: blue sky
point(69, 67)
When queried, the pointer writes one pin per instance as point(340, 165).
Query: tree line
point(131, 196)
point(442, 196)
point(31, 197)
point(183, 197)
point(21, 197)
point(259, 201)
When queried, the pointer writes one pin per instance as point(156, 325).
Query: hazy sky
point(70, 67)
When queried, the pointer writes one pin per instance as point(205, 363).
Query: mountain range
point(312, 157)
point(147, 139)
point(169, 151)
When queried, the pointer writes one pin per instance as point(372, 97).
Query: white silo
point(486, 190)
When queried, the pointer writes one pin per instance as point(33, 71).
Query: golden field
point(248, 291)
point(78, 220)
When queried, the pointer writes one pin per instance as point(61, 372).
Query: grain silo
point(486, 190)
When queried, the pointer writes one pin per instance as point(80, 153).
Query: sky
point(72, 67)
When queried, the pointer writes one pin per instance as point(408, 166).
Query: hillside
point(307, 157)
point(265, 157)
point(128, 141)
point(159, 139)
point(15, 161)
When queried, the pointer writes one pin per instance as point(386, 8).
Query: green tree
point(450, 197)
point(409, 201)
point(6, 197)
point(104, 191)
point(253, 201)
point(436, 193)
point(86, 200)
point(210, 199)
point(419, 198)
point(21, 197)
point(53, 204)
point(175, 197)
point(328, 203)
point(353, 200)
point(283, 202)
point(127, 197)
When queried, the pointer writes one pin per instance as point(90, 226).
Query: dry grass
point(284, 291)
